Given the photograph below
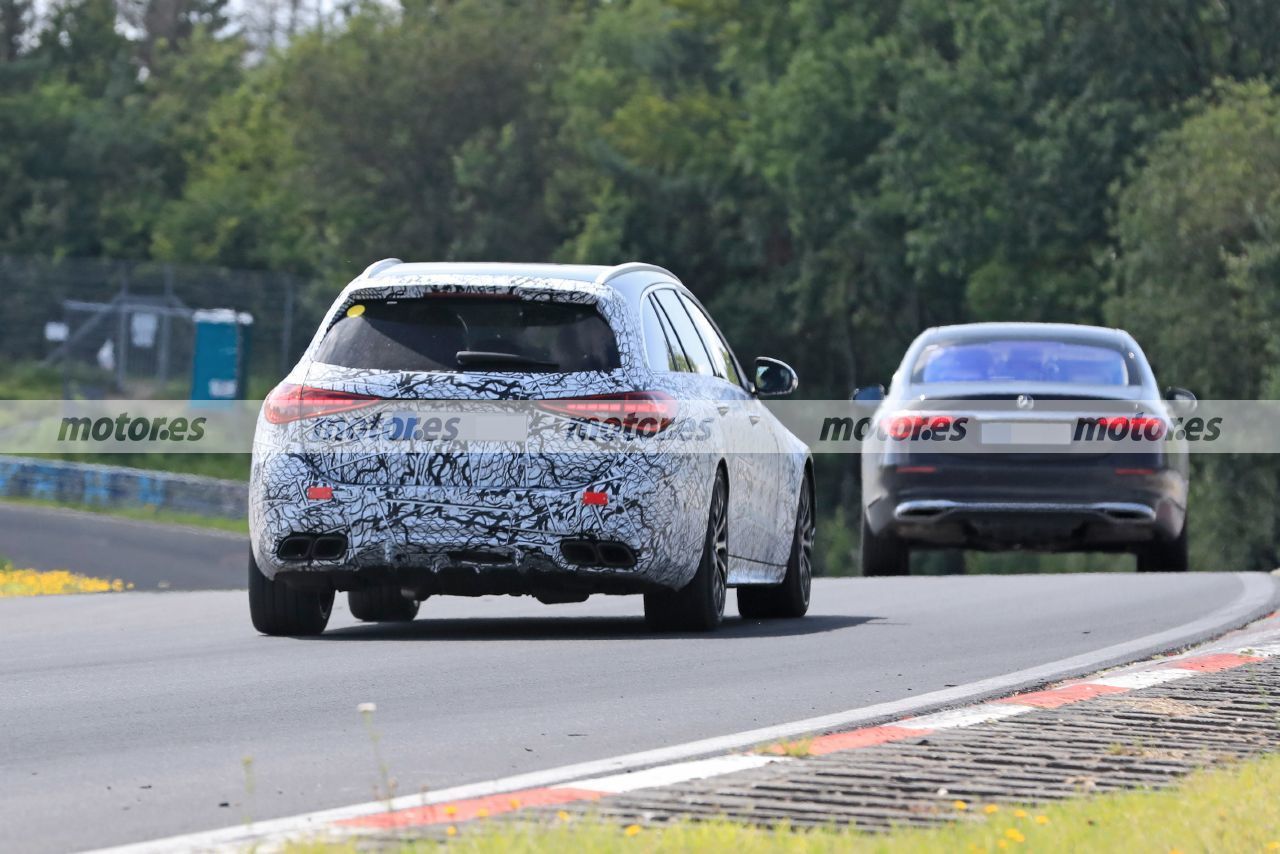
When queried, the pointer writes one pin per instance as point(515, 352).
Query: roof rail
point(378, 266)
point(632, 267)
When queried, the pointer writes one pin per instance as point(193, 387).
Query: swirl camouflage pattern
point(633, 456)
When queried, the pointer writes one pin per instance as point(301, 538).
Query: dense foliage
point(831, 175)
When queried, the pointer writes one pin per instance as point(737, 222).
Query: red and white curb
point(455, 812)
point(592, 780)
point(578, 790)
point(469, 803)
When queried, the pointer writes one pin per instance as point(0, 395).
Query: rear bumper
point(932, 511)
point(473, 541)
point(1049, 508)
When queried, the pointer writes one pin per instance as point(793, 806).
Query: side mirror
point(774, 378)
point(869, 394)
point(1183, 402)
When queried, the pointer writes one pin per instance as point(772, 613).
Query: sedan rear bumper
point(933, 511)
point(1045, 507)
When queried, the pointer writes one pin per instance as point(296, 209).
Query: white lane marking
point(665, 775)
point(1265, 650)
point(965, 717)
point(1257, 593)
point(1144, 678)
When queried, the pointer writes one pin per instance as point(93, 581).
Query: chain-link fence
point(119, 327)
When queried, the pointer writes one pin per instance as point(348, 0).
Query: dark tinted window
point(450, 333)
point(656, 343)
point(677, 360)
point(685, 332)
point(721, 355)
point(1021, 361)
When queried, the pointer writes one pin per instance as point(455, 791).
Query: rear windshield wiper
point(468, 358)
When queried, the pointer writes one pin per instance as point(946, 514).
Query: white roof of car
point(619, 277)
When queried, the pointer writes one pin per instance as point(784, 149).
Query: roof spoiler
point(378, 266)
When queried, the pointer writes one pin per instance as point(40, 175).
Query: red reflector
point(1135, 471)
point(596, 499)
point(320, 493)
point(917, 469)
point(288, 402)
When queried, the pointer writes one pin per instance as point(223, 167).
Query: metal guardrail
point(97, 485)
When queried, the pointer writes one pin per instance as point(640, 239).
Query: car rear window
point(1021, 361)
point(460, 334)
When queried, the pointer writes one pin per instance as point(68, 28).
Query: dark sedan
point(1045, 437)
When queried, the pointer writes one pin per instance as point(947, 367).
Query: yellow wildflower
point(30, 582)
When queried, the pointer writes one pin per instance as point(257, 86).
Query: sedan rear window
point(1021, 361)
point(480, 333)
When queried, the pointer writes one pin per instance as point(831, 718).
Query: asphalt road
point(136, 715)
point(148, 555)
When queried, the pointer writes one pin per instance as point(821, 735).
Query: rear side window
point(685, 332)
point(720, 352)
point(661, 351)
point(451, 333)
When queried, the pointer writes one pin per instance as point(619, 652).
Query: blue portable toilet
point(219, 369)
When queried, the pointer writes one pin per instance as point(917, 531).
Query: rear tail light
point(918, 425)
point(643, 412)
point(288, 402)
point(1134, 427)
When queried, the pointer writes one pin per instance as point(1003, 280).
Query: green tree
point(15, 20)
point(424, 135)
point(1196, 280)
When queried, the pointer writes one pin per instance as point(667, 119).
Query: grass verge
point(143, 514)
point(1228, 809)
point(16, 582)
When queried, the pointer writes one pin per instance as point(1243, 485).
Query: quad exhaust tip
point(303, 547)
point(610, 553)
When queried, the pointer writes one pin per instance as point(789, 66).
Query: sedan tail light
point(643, 412)
point(912, 425)
point(288, 402)
point(1134, 426)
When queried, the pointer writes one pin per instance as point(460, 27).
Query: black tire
point(791, 597)
point(382, 604)
point(883, 554)
point(1165, 555)
point(278, 609)
point(699, 605)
